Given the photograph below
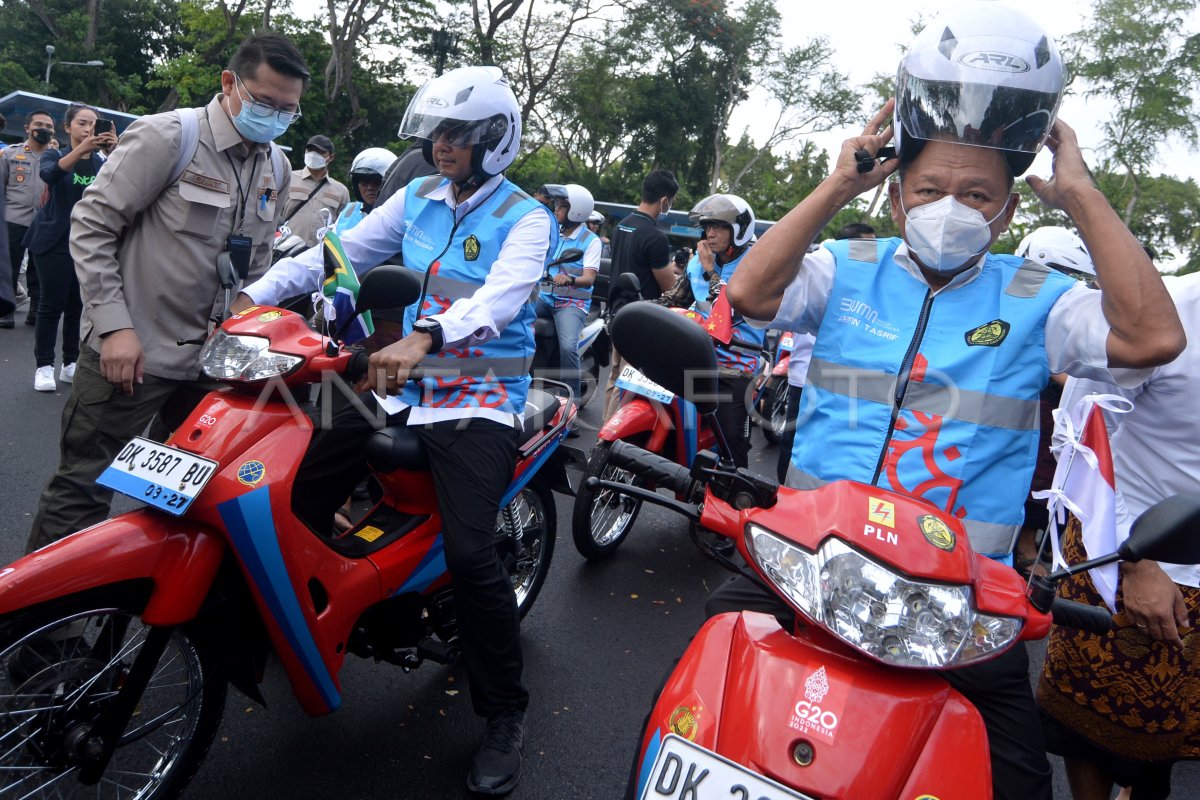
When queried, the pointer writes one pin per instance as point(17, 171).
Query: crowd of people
point(96, 215)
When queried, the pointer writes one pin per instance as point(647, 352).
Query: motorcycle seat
point(400, 447)
point(544, 328)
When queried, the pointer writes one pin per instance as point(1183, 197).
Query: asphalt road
point(597, 645)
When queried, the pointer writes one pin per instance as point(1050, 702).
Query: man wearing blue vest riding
point(930, 352)
point(480, 245)
point(568, 299)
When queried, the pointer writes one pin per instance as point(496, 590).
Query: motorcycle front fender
point(637, 416)
point(178, 557)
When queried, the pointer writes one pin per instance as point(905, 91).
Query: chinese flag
point(720, 321)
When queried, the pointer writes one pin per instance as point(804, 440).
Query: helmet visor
point(458, 133)
point(983, 115)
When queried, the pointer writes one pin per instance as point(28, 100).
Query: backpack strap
point(280, 167)
point(188, 142)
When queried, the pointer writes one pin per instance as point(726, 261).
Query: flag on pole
point(340, 290)
point(720, 319)
point(1085, 484)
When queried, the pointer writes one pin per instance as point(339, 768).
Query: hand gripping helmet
point(374, 161)
point(1057, 247)
point(474, 107)
point(983, 75)
point(727, 209)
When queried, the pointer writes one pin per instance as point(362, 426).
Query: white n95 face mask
point(946, 235)
point(314, 160)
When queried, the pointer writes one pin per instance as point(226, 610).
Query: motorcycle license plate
point(632, 380)
point(683, 769)
point(165, 477)
point(786, 343)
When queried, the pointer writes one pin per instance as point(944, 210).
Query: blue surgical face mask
point(258, 128)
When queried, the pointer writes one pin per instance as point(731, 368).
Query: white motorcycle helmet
point(372, 161)
point(1058, 248)
point(596, 216)
point(983, 75)
point(578, 199)
point(730, 210)
point(476, 108)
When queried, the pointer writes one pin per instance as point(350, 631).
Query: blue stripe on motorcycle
point(527, 475)
point(691, 427)
point(432, 567)
point(648, 761)
point(251, 526)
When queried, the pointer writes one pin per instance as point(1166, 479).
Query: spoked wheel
point(526, 529)
point(776, 412)
point(602, 519)
point(61, 665)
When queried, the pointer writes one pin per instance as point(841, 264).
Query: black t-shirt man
point(638, 246)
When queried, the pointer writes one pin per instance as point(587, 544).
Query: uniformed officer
point(23, 185)
point(480, 244)
point(146, 248)
point(316, 199)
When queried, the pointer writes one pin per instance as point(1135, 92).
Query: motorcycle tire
point(62, 662)
point(775, 417)
point(527, 554)
point(601, 520)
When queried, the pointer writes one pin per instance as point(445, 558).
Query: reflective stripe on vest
point(574, 268)
point(934, 395)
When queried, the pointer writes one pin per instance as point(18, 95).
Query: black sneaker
point(7, 321)
point(31, 318)
point(496, 768)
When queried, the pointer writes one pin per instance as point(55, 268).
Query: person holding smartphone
point(66, 175)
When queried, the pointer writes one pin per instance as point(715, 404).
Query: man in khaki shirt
point(314, 193)
point(145, 249)
point(21, 187)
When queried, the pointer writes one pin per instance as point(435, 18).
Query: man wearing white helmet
point(570, 297)
point(479, 245)
point(904, 325)
point(594, 221)
point(1058, 248)
point(366, 179)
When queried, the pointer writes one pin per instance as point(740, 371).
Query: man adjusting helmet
point(930, 352)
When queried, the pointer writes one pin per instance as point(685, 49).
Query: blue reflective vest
point(934, 396)
point(351, 215)
point(732, 356)
point(459, 256)
point(578, 296)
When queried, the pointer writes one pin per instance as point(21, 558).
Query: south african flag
point(341, 289)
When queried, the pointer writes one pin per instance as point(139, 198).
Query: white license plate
point(631, 379)
point(164, 477)
point(683, 769)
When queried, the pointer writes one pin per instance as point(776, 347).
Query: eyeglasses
point(260, 109)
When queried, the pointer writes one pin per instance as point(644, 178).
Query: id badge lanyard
point(237, 244)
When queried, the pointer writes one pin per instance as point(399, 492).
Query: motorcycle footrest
point(431, 649)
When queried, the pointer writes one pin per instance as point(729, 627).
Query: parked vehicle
point(771, 390)
point(593, 338)
point(117, 643)
point(886, 591)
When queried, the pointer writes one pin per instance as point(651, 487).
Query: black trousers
point(733, 413)
point(59, 297)
point(472, 464)
point(999, 689)
point(16, 252)
point(789, 431)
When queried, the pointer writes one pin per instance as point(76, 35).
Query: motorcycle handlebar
point(1080, 616)
point(654, 468)
point(356, 370)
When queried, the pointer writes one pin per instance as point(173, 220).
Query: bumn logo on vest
point(471, 248)
point(990, 334)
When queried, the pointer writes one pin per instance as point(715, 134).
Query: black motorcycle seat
point(400, 447)
point(543, 328)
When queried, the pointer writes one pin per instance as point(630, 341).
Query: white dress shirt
point(470, 320)
point(1156, 446)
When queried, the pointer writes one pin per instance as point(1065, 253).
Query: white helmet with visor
point(1058, 248)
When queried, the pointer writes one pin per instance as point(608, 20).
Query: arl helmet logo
point(881, 512)
point(990, 334)
point(471, 248)
point(997, 62)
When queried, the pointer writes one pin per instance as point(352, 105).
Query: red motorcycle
point(847, 703)
point(117, 643)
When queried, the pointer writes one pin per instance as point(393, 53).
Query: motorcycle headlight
point(886, 615)
point(245, 358)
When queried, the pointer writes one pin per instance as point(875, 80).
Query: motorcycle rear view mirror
point(574, 254)
point(226, 272)
point(1168, 531)
point(387, 286)
point(670, 349)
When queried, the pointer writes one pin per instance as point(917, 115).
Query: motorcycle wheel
point(776, 413)
point(62, 663)
point(526, 529)
point(601, 520)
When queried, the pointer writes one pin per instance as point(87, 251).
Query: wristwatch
point(434, 329)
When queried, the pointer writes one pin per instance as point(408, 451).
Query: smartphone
point(102, 126)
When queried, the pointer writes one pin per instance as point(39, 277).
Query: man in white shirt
point(480, 245)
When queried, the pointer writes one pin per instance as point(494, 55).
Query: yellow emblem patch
point(471, 248)
point(268, 316)
point(685, 722)
point(937, 533)
point(881, 512)
point(988, 335)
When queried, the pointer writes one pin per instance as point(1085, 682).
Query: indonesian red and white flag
point(1084, 484)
